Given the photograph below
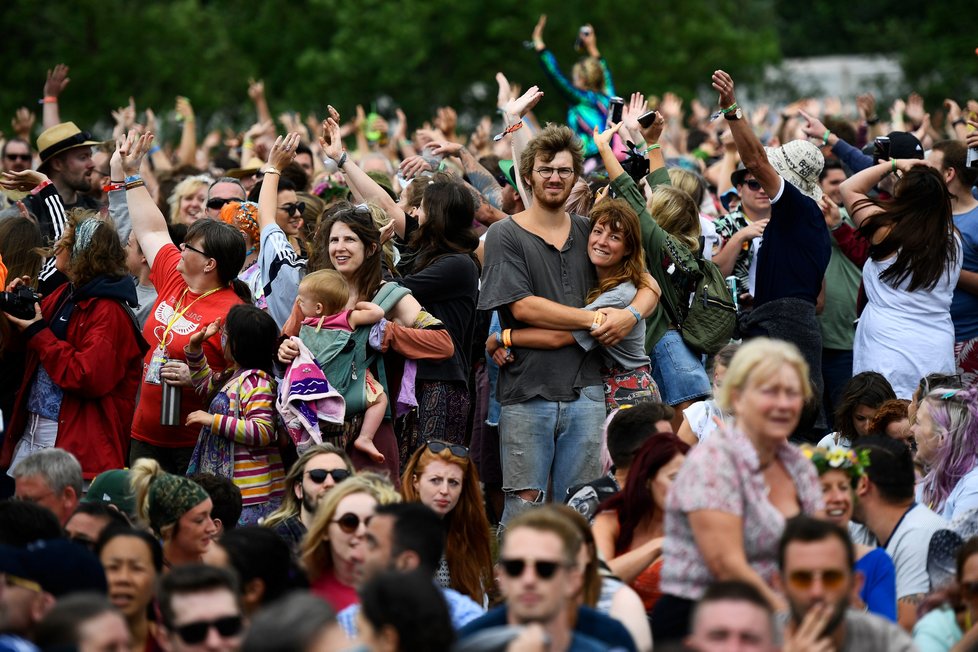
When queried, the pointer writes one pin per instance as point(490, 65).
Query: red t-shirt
point(172, 290)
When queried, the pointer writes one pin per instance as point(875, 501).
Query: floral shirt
point(726, 226)
point(722, 474)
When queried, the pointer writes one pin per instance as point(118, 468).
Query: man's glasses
point(563, 173)
point(293, 208)
point(436, 446)
point(217, 203)
point(319, 475)
point(350, 522)
point(543, 569)
point(804, 580)
point(753, 184)
point(18, 157)
point(184, 247)
point(196, 632)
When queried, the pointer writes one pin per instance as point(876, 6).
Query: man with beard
point(816, 560)
point(537, 273)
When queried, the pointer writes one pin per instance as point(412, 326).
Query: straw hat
point(61, 138)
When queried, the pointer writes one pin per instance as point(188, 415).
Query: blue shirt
point(964, 305)
point(879, 585)
point(461, 610)
point(591, 626)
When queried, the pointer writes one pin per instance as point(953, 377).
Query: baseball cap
point(112, 488)
point(58, 566)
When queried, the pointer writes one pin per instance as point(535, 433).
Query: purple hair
point(955, 415)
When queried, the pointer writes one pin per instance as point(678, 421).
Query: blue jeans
point(542, 440)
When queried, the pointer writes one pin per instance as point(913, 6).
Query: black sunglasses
point(319, 475)
point(217, 203)
point(753, 184)
point(542, 569)
point(350, 522)
point(19, 157)
point(196, 633)
point(436, 446)
point(293, 208)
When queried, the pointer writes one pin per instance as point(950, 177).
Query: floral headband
point(838, 459)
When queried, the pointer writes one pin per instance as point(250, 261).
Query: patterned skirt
point(628, 387)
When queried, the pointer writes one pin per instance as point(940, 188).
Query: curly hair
point(549, 142)
point(888, 412)
point(103, 255)
point(467, 548)
point(867, 388)
point(244, 217)
point(617, 216)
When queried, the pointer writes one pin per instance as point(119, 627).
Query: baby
point(323, 296)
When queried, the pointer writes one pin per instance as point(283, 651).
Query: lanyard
point(177, 313)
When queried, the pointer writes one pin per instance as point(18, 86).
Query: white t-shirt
point(908, 546)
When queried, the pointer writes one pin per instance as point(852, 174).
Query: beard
point(551, 202)
point(310, 503)
point(838, 615)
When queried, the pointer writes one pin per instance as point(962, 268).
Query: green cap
point(112, 488)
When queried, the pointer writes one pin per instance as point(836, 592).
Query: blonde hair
point(381, 219)
point(186, 187)
point(327, 287)
point(591, 73)
point(678, 215)
point(688, 181)
point(757, 359)
point(315, 545)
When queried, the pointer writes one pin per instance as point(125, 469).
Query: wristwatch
point(736, 114)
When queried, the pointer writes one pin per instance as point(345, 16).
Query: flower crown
point(838, 459)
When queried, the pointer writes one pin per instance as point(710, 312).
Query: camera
point(881, 149)
point(581, 33)
point(647, 118)
point(19, 302)
point(617, 108)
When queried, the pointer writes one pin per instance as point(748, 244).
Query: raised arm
point(855, 189)
point(55, 83)
point(148, 222)
point(748, 146)
point(282, 154)
point(187, 152)
point(256, 91)
point(515, 111)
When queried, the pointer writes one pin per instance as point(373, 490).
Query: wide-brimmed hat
point(799, 162)
point(250, 168)
point(61, 138)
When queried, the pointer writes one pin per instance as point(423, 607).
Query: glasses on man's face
point(196, 632)
point(832, 580)
point(293, 208)
point(753, 184)
point(18, 157)
point(217, 203)
point(319, 475)
point(436, 446)
point(546, 173)
point(184, 246)
point(350, 522)
point(543, 569)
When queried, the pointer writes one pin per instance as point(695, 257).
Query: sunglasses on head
point(457, 450)
point(543, 569)
point(803, 580)
point(195, 633)
point(319, 475)
point(350, 522)
point(293, 208)
point(753, 184)
point(217, 203)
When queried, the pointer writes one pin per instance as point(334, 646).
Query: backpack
point(709, 321)
point(345, 356)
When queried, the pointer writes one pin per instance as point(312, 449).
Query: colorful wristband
point(635, 313)
point(133, 178)
point(109, 187)
point(41, 186)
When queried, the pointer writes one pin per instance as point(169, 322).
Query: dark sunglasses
point(350, 522)
point(969, 589)
point(196, 633)
point(217, 203)
point(457, 450)
point(319, 475)
point(18, 157)
point(292, 209)
point(543, 569)
point(753, 184)
point(803, 580)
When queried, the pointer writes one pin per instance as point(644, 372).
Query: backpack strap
point(389, 294)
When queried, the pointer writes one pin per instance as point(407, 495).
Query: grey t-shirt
point(519, 264)
point(908, 546)
point(869, 633)
point(146, 296)
point(630, 352)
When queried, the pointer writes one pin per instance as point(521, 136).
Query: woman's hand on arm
point(148, 222)
point(280, 156)
point(619, 322)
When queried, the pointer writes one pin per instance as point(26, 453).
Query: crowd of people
point(693, 380)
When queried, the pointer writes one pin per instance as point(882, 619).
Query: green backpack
point(709, 321)
point(345, 356)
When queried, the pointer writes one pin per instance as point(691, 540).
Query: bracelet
point(635, 313)
point(508, 337)
point(729, 108)
point(41, 186)
point(342, 160)
point(598, 320)
point(133, 177)
point(508, 130)
point(651, 147)
point(893, 164)
point(109, 187)
point(271, 170)
point(154, 149)
point(248, 144)
point(48, 99)
point(959, 121)
point(825, 137)
point(872, 122)
point(135, 184)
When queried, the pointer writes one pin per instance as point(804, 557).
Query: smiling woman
point(188, 199)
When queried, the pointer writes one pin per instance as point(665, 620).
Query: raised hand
point(538, 33)
point(150, 121)
point(401, 133)
point(653, 132)
point(631, 112)
point(256, 89)
point(283, 151)
point(915, 109)
point(602, 139)
point(866, 106)
point(57, 81)
point(197, 339)
point(132, 149)
point(813, 127)
point(953, 110)
point(23, 122)
point(724, 85)
point(184, 109)
point(671, 106)
point(330, 141)
point(446, 120)
point(445, 148)
point(412, 166)
point(524, 103)
point(125, 116)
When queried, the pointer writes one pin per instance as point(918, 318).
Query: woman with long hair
point(861, 397)
point(84, 354)
point(188, 200)
point(946, 430)
point(915, 257)
point(630, 526)
point(331, 551)
point(443, 477)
